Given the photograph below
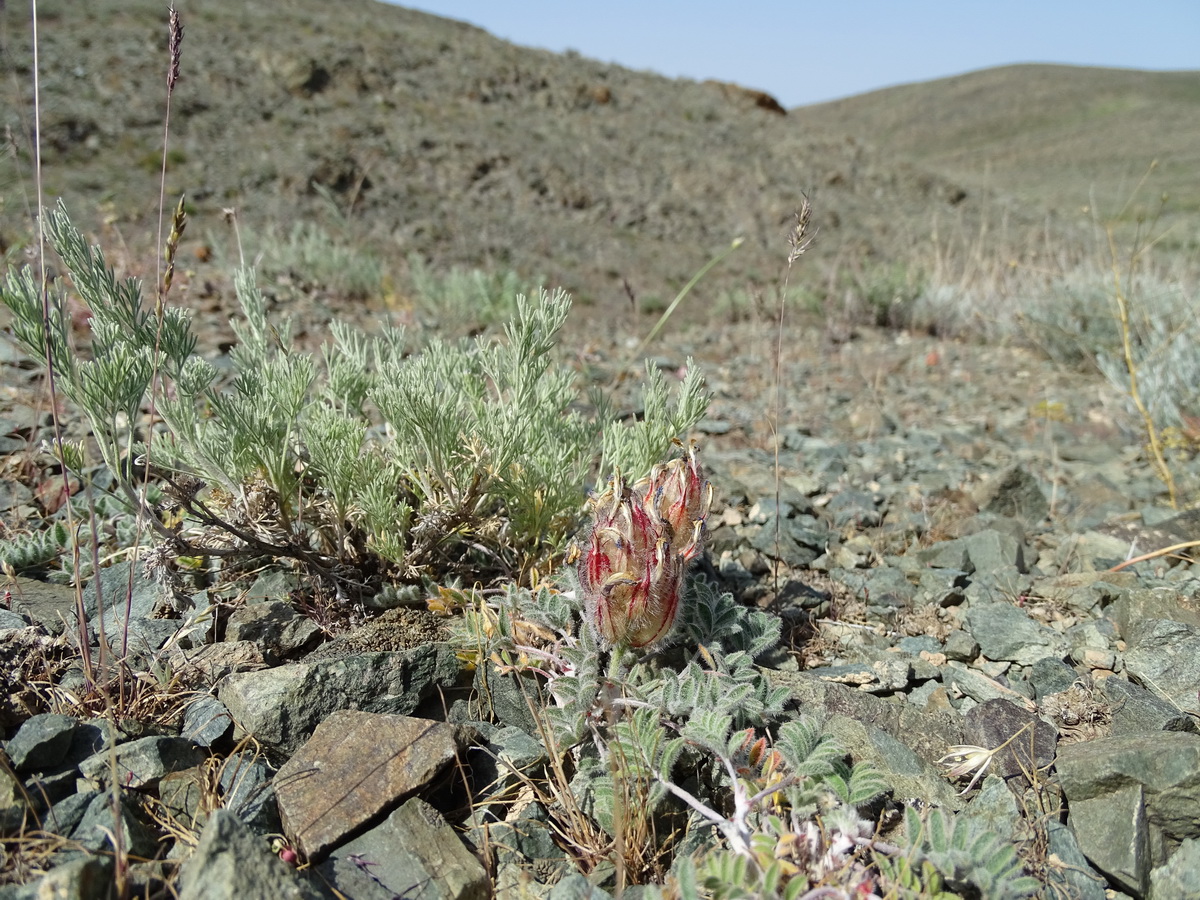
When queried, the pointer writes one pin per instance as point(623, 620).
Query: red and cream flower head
point(642, 538)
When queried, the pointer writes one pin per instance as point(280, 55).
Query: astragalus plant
point(376, 462)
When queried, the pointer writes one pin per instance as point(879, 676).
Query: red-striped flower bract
point(642, 538)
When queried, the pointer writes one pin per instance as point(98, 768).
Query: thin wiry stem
point(799, 240)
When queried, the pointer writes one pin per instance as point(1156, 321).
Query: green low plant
point(367, 464)
point(461, 300)
point(27, 551)
point(630, 730)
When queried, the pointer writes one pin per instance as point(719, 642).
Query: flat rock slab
point(282, 706)
point(356, 766)
point(413, 853)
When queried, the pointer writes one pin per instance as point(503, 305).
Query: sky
point(809, 51)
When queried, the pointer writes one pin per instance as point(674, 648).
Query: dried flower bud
point(631, 571)
point(678, 495)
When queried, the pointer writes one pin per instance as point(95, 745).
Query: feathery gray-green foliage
point(364, 462)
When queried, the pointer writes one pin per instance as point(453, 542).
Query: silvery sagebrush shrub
point(373, 462)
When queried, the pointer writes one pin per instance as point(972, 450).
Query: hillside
point(412, 135)
point(1046, 135)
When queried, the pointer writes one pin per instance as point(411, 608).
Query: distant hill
point(1045, 134)
point(413, 134)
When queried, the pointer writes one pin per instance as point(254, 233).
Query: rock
point(210, 663)
point(906, 773)
point(992, 551)
point(274, 584)
point(1112, 833)
point(1028, 741)
point(276, 627)
point(1136, 711)
point(1180, 875)
point(1133, 800)
point(960, 646)
point(1014, 493)
point(13, 804)
point(1136, 606)
point(996, 810)
point(508, 751)
point(857, 508)
point(1005, 632)
point(1164, 656)
point(1050, 676)
point(1087, 592)
point(65, 815)
point(1094, 551)
point(927, 734)
point(963, 681)
point(141, 638)
point(412, 853)
point(246, 790)
point(885, 676)
point(205, 721)
point(232, 861)
point(85, 878)
point(953, 555)
point(121, 590)
point(520, 852)
point(50, 605)
point(282, 706)
point(356, 766)
point(503, 698)
point(576, 887)
point(941, 586)
point(1067, 871)
point(142, 763)
point(42, 742)
point(97, 825)
point(54, 785)
point(886, 590)
point(182, 793)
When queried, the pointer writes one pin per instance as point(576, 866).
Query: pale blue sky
point(805, 51)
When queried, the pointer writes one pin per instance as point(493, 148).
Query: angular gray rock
point(1143, 604)
point(412, 853)
point(232, 861)
point(1028, 741)
point(205, 721)
point(1015, 493)
point(141, 763)
point(246, 787)
point(1164, 657)
point(1179, 876)
point(13, 806)
point(992, 551)
point(96, 827)
point(356, 766)
point(902, 769)
point(1137, 711)
point(1068, 871)
point(927, 734)
point(1133, 800)
point(42, 742)
point(281, 707)
point(1005, 632)
point(85, 878)
point(276, 627)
